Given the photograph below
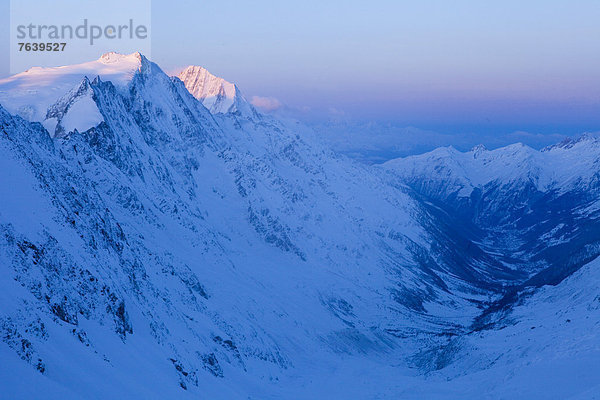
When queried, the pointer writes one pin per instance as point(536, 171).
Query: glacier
point(160, 238)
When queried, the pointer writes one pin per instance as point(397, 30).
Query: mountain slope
point(232, 251)
point(153, 248)
point(536, 210)
point(547, 348)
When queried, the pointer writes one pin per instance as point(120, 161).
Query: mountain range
point(161, 238)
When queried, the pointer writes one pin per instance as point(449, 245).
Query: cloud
point(336, 111)
point(266, 103)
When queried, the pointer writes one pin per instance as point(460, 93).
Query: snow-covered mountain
point(536, 210)
point(157, 242)
point(216, 94)
point(40, 94)
point(570, 164)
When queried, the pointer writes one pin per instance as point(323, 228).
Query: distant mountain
point(536, 210)
point(215, 93)
point(570, 164)
point(378, 142)
point(160, 238)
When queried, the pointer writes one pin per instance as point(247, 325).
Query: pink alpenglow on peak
point(216, 94)
point(29, 94)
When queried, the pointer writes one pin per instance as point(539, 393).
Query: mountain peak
point(216, 94)
point(75, 111)
point(477, 150)
point(569, 142)
point(113, 57)
point(30, 93)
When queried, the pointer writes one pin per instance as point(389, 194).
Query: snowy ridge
point(75, 111)
point(32, 94)
point(557, 167)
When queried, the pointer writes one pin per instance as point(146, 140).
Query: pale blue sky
point(452, 65)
